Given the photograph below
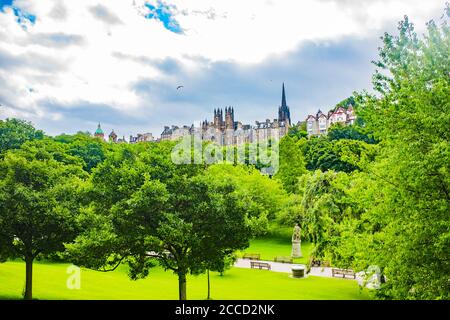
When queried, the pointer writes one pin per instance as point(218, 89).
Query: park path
point(286, 268)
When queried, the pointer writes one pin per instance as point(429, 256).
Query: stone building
point(225, 130)
point(142, 137)
point(112, 137)
point(319, 123)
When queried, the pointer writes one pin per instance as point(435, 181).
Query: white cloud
point(85, 68)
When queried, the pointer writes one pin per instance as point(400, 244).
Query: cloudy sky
point(67, 65)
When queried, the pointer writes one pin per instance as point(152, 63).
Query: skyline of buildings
point(224, 130)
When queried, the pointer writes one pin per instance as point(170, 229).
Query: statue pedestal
point(298, 271)
point(296, 249)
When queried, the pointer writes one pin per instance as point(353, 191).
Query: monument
point(296, 243)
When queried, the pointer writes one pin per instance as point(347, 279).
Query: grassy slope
point(50, 283)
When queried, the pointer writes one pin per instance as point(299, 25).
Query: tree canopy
point(14, 132)
point(38, 206)
point(146, 208)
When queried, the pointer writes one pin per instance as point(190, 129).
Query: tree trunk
point(182, 285)
point(209, 287)
point(28, 278)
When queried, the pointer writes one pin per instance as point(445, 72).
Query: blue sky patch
point(163, 13)
point(5, 3)
point(23, 18)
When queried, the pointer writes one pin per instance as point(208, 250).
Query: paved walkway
point(286, 268)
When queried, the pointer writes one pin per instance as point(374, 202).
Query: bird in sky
point(179, 87)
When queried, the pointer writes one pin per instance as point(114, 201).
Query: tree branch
point(161, 257)
point(114, 268)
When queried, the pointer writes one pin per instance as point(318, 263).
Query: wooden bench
point(251, 256)
point(260, 265)
point(344, 272)
point(283, 259)
point(319, 263)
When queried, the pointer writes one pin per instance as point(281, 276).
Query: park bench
point(260, 265)
point(318, 263)
point(344, 272)
point(251, 256)
point(283, 259)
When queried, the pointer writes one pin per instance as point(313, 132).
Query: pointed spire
point(283, 98)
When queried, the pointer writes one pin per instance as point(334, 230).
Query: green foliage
point(38, 203)
point(346, 103)
point(350, 132)
point(292, 163)
point(261, 155)
point(37, 209)
point(46, 149)
point(262, 196)
point(91, 150)
point(339, 155)
point(224, 264)
point(149, 208)
point(298, 132)
point(323, 207)
point(402, 198)
point(14, 132)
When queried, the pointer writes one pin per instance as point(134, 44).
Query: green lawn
point(270, 248)
point(50, 283)
point(277, 243)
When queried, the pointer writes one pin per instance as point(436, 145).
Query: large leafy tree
point(324, 206)
point(146, 208)
point(38, 206)
point(292, 163)
point(405, 221)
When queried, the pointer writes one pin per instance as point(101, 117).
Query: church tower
point(229, 118)
point(283, 111)
point(218, 118)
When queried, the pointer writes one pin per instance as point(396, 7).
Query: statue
point(296, 233)
point(296, 242)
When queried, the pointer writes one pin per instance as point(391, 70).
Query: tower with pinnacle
point(284, 115)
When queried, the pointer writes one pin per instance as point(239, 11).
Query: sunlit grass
point(50, 283)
